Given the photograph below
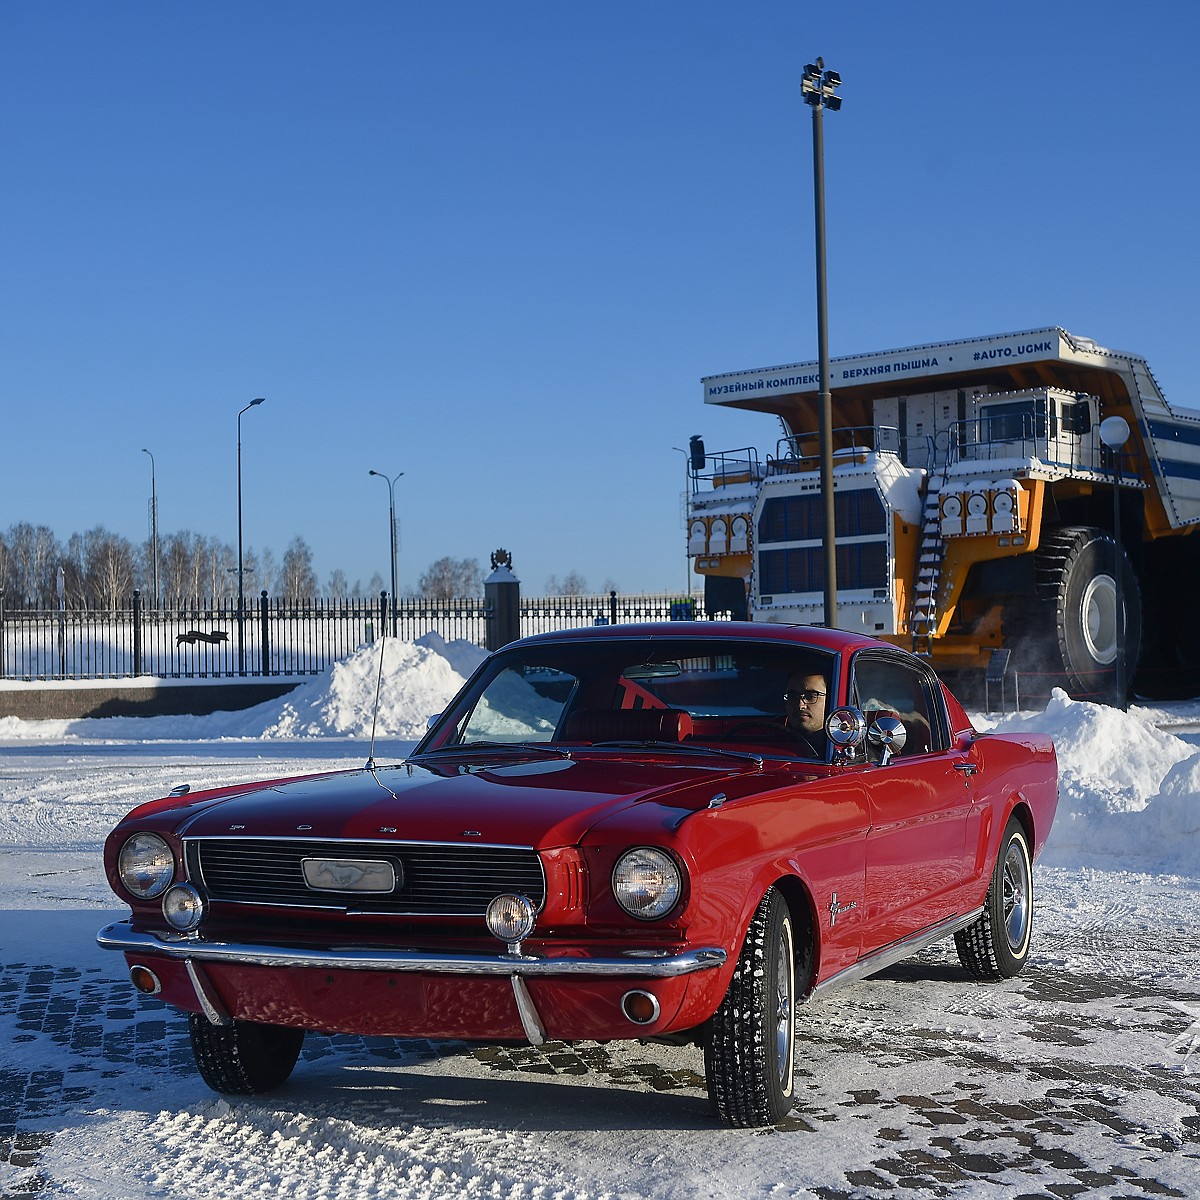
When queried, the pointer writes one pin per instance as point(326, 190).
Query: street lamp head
point(259, 400)
point(1114, 432)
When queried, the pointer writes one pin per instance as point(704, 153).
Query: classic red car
point(658, 831)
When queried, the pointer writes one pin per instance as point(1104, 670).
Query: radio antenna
point(375, 714)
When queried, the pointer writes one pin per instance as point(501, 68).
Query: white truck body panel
point(1171, 437)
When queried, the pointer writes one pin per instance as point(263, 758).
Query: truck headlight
point(647, 882)
point(146, 866)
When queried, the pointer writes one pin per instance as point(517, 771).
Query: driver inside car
point(804, 699)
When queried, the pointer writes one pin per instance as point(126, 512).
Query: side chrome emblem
point(836, 909)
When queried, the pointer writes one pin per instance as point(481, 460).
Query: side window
point(886, 685)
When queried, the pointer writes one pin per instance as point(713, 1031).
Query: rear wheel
point(750, 1051)
point(244, 1058)
point(996, 946)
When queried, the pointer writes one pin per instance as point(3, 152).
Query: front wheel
point(244, 1058)
point(749, 1053)
point(996, 946)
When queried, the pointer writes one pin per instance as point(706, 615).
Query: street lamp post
point(241, 608)
point(153, 527)
point(391, 486)
point(818, 89)
point(1114, 433)
point(687, 514)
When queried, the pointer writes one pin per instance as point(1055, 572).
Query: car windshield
point(766, 696)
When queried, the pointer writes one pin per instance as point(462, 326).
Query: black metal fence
point(271, 637)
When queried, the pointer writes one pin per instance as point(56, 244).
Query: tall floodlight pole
point(391, 486)
point(241, 609)
point(1114, 433)
point(687, 514)
point(818, 87)
point(153, 527)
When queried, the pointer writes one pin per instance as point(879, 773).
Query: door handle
point(967, 768)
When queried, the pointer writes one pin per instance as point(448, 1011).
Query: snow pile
point(415, 681)
point(17, 730)
point(418, 680)
point(1127, 790)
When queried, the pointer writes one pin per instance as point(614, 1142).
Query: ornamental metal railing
point(274, 637)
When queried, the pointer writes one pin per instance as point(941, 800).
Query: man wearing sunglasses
point(804, 700)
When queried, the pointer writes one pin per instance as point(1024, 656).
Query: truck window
point(1019, 420)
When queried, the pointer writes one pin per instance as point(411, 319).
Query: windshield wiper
point(532, 747)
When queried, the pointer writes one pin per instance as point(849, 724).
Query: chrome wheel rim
point(1017, 896)
point(1099, 613)
point(784, 983)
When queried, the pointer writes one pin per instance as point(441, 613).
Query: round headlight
point(146, 865)
point(647, 883)
point(183, 907)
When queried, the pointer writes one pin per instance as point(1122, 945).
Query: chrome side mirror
point(887, 735)
point(846, 728)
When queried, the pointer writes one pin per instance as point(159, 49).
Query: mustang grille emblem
point(351, 875)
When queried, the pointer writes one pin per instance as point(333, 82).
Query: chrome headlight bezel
point(647, 882)
point(146, 865)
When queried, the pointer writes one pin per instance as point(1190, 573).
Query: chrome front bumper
point(637, 964)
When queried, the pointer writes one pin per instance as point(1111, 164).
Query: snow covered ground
point(1082, 1077)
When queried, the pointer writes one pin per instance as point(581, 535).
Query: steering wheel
point(774, 730)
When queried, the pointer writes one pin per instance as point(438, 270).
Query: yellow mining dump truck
point(974, 509)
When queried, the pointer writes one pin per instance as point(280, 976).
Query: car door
point(921, 804)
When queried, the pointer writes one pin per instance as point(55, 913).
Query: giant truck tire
point(1076, 572)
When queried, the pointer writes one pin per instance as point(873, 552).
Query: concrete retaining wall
point(71, 700)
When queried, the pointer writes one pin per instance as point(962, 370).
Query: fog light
point(145, 980)
point(510, 918)
point(183, 907)
point(640, 1007)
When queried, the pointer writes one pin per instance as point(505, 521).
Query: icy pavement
point(1072, 1080)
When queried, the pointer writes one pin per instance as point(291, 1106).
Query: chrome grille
point(437, 880)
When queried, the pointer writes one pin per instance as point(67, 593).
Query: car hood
point(540, 802)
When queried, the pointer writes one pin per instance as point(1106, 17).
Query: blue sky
point(496, 247)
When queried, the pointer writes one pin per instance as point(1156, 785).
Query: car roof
point(813, 636)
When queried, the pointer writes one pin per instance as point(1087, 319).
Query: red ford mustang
point(658, 831)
